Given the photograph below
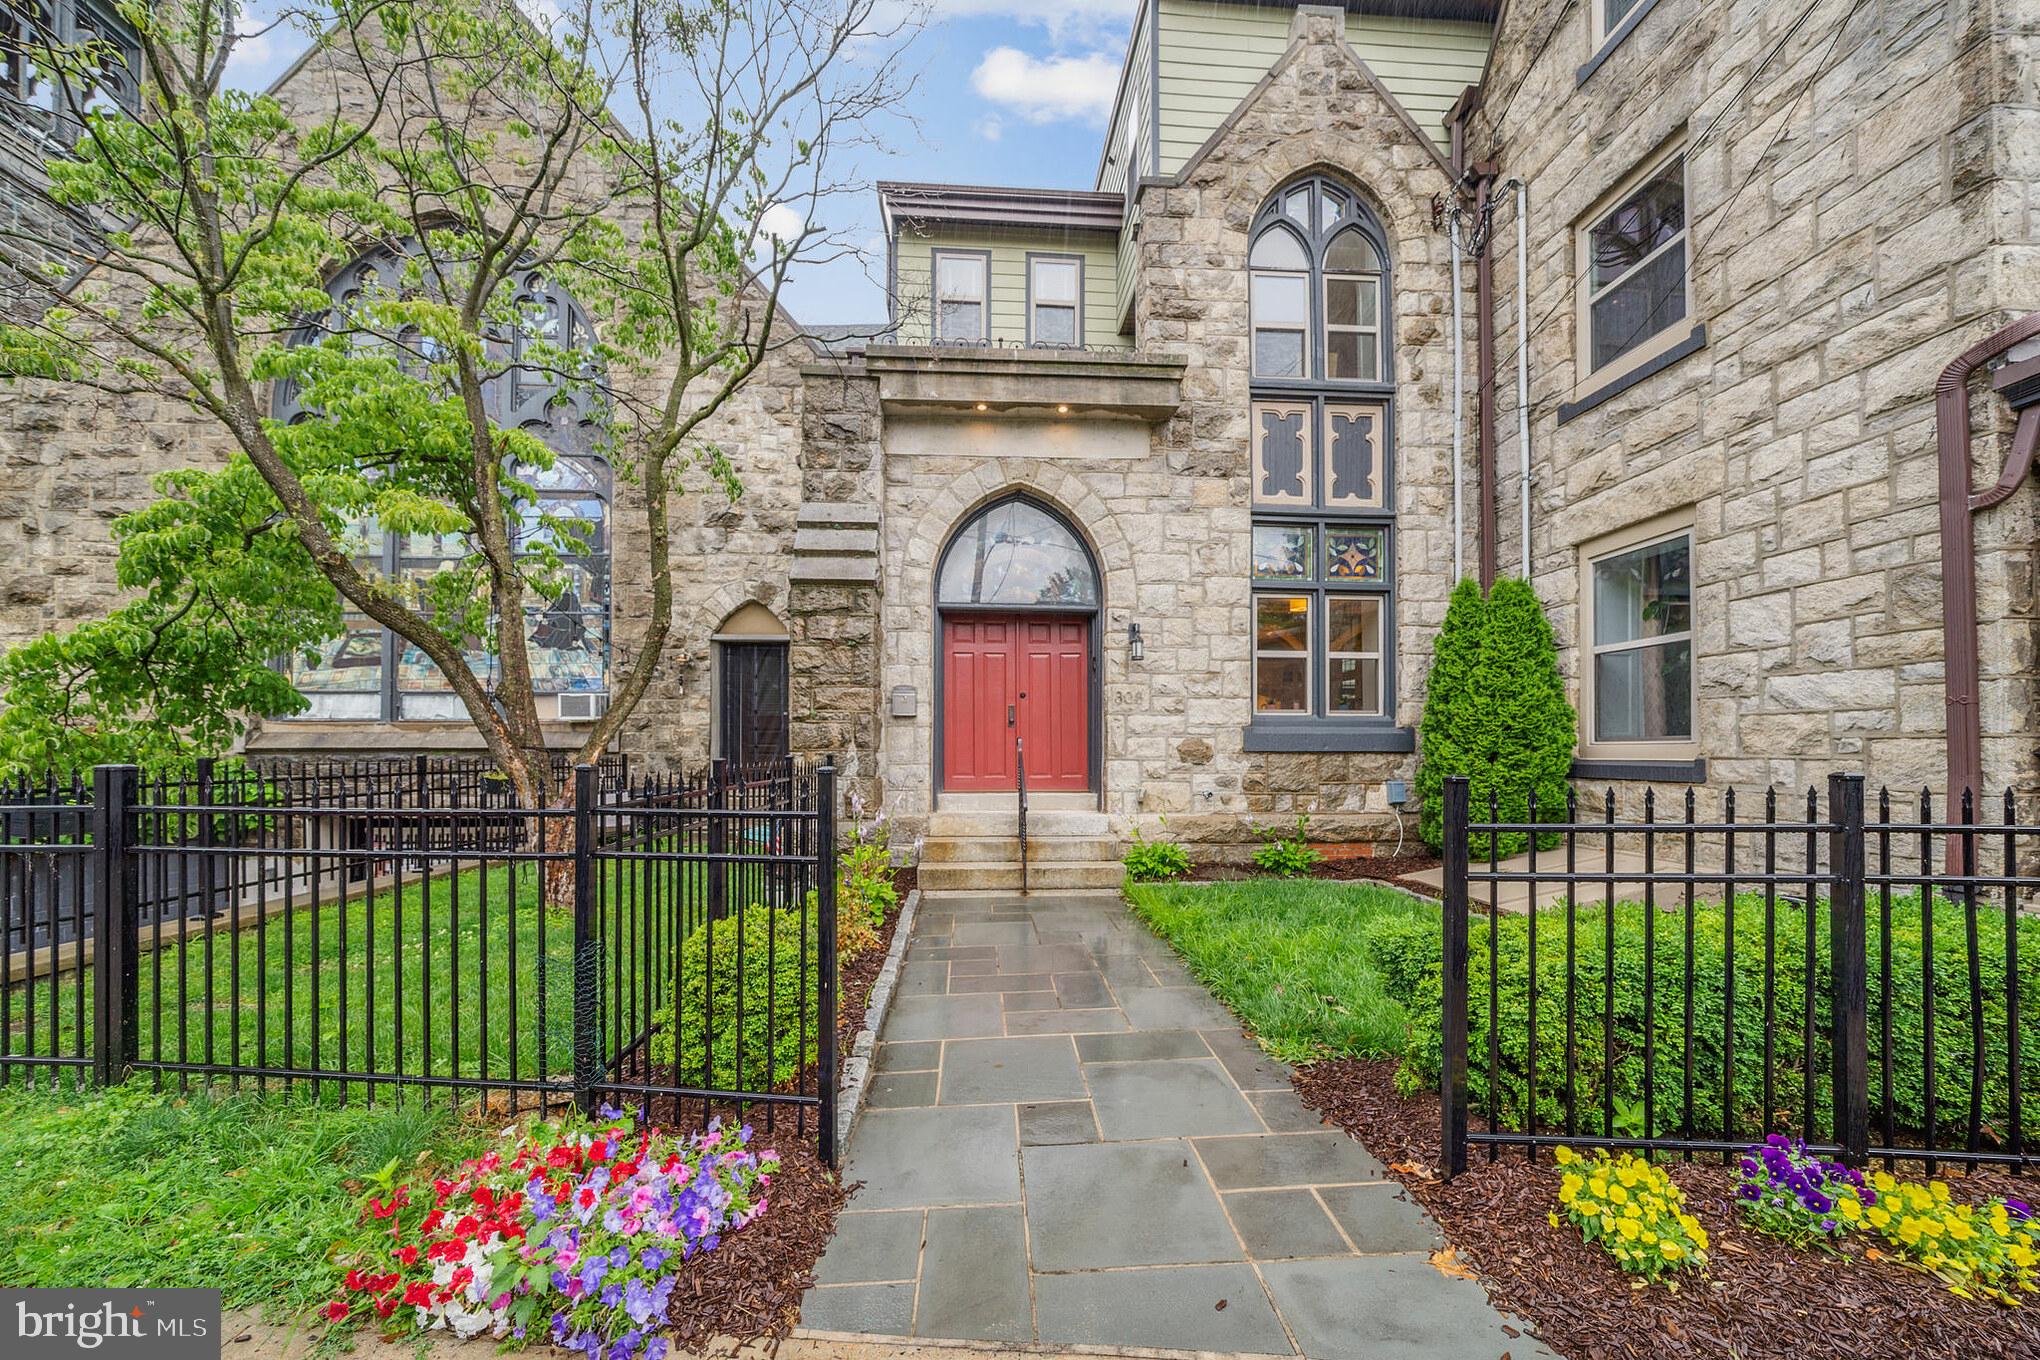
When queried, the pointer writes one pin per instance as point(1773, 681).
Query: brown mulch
point(1356, 868)
point(749, 1287)
point(853, 987)
point(1759, 1298)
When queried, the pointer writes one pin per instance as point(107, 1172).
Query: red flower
point(384, 1307)
point(357, 1279)
point(625, 1170)
point(585, 1197)
point(441, 1190)
point(383, 1284)
point(336, 1310)
point(467, 1226)
point(461, 1278)
point(433, 1220)
point(408, 1255)
point(561, 1156)
point(418, 1295)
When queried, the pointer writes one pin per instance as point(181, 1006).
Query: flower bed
point(1762, 1298)
point(575, 1235)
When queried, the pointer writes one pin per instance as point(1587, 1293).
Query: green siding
point(1212, 55)
point(914, 259)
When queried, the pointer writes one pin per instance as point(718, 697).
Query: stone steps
point(975, 847)
point(946, 876)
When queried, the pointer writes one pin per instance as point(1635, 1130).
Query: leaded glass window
point(31, 91)
point(1320, 457)
point(370, 674)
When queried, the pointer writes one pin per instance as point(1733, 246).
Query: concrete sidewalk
point(1070, 1143)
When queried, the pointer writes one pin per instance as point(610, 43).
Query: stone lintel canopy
point(1028, 381)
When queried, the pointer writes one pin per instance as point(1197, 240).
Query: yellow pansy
point(1849, 1209)
point(1618, 1194)
point(1672, 1250)
point(1564, 1156)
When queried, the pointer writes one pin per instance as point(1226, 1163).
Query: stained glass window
point(369, 675)
point(1320, 464)
point(1356, 554)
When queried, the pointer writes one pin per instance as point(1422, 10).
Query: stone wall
point(1320, 110)
point(1167, 517)
point(1861, 208)
point(71, 462)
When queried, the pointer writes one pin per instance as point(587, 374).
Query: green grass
point(389, 982)
point(1287, 957)
point(127, 1188)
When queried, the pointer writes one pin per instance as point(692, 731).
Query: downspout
point(1484, 360)
point(1523, 359)
point(1958, 550)
point(1458, 410)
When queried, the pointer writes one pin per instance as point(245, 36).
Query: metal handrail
point(1020, 778)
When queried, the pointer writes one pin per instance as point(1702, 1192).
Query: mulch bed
point(749, 1288)
point(1759, 1298)
point(1393, 869)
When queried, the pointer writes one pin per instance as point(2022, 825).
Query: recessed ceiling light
point(981, 406)
point(1062, 409)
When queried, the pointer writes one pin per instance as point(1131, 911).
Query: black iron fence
point(1689, 980)
point(361, 934)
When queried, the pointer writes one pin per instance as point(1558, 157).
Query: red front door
point(1016, 675)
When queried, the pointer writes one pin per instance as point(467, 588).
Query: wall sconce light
point(1136, 650)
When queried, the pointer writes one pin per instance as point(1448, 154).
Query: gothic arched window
point(1320, 431)
point(370, 674)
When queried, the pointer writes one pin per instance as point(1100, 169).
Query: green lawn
point(463, 972)
point(128, 1188)
point(1286, 955)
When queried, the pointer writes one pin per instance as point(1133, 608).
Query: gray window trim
point(1649, 771)
point(1297, 735)
point(1342, 730)
point(935, 255)
point(1614, 39)
point(1696, 339)
point(1057, 255)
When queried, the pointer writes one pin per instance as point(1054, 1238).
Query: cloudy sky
point(1007, 92)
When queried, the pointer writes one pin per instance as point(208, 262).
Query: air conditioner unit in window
point(582, 707)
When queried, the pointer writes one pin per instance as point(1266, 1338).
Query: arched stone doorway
point(1017, 601)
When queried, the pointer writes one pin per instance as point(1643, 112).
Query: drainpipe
point(1958, 540)
point(1484, 359)
point(1458, 411)
point(1523, 358)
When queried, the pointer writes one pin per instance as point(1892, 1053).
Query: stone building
point(1159, 485)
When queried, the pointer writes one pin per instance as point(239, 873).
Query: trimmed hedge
point(757, 1022)
point(1496, 712)
point(1406, 956)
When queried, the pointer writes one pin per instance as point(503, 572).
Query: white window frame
point(983, 260)
point(1308, 655)
point(1370, 285)
point(1300, 329)
point(1668, 335)
point(1601, 29)
point(1376, 658)
point(1649, 533)
point(1075, 307)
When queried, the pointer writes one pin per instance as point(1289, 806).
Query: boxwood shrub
point(746, 1018)
point(1406, 955)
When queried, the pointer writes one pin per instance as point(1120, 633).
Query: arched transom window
point(1016, 553)
point(371, 674)
point(1321, 465)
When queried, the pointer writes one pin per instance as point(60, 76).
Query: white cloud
point(990, 127)
point(1087, 20)
point(1048, 89)
point(781, 223)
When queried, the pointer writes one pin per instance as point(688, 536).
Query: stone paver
point(1071, 1143)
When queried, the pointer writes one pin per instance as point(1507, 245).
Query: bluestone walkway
point(1069, 1141)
